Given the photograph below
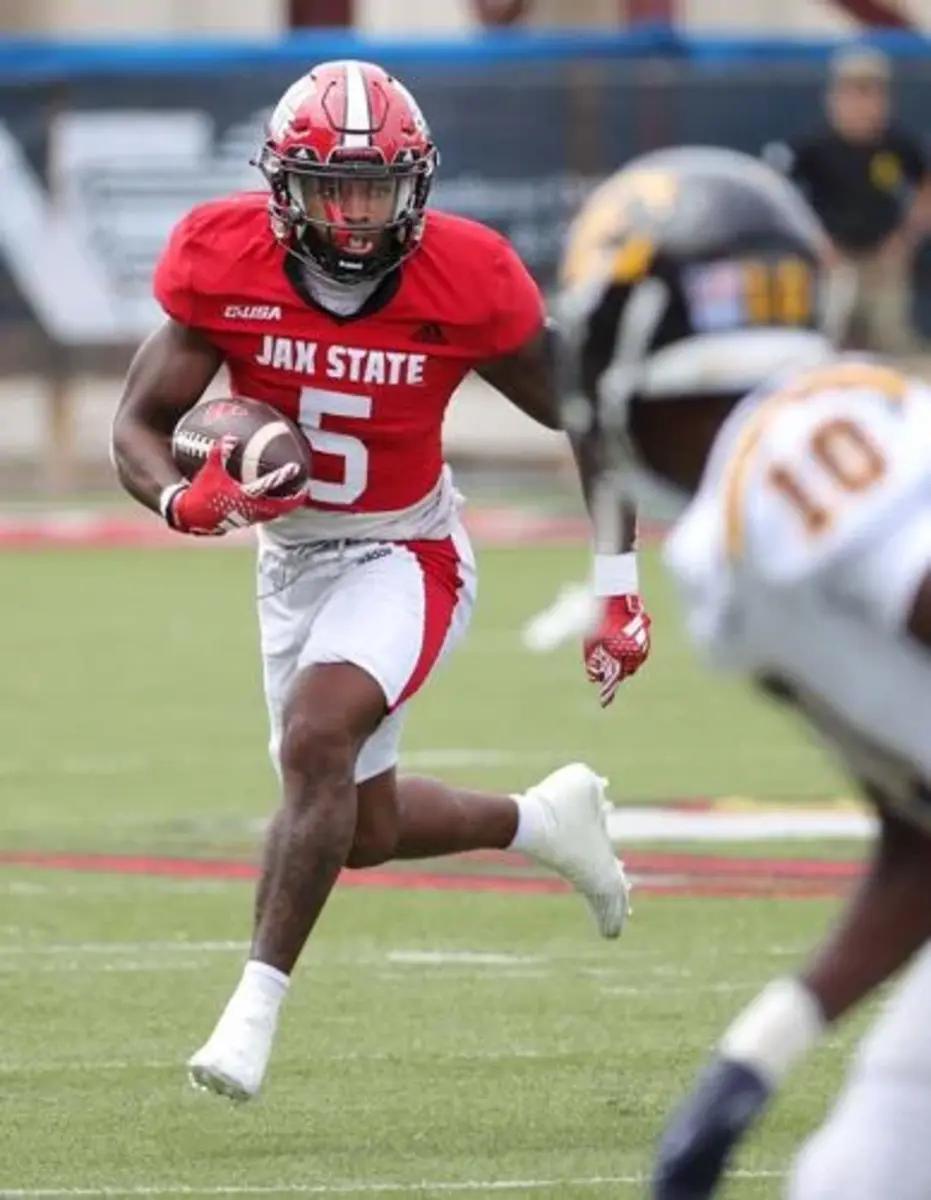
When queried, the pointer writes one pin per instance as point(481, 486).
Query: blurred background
point(133, 772)
point(115, 118)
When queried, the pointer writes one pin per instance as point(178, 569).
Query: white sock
point(260, 985)
point(531, 823)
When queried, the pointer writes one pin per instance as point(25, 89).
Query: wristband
point(776, 1030)
point(166, 498)
point(616, 574)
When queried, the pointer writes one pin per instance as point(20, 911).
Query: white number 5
point(316, 403)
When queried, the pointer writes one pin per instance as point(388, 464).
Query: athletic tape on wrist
point(776, 1030)
point(165, 498)
point(616, 574)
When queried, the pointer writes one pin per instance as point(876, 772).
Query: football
point(266, 440)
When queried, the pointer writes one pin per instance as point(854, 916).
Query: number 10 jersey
point(800, 558)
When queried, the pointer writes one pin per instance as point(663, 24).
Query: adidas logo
point(430, 333)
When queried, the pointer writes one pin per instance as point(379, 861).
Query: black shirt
point(860, 190)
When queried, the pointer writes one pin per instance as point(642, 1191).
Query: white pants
point(395, 609)
point(876, 1142)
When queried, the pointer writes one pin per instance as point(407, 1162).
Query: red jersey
point(369, 390)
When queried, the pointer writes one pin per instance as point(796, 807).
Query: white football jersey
point(800, 556)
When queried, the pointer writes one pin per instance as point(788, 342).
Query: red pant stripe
point(439, 565)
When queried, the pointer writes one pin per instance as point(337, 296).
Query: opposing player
point(337, 298)
point(803, 553)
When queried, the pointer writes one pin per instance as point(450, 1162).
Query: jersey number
point(778, 293)
point(316, 403)
point(847, 455)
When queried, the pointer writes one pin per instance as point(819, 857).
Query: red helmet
point(349, 160)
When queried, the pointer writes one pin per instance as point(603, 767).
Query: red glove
point(619, 644)
point(214, 502)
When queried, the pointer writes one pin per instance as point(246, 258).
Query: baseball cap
point(860, 64)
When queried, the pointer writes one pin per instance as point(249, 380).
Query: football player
point(337, 298)
point(698, 333)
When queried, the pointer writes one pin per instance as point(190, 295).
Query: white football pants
point(876, 1142)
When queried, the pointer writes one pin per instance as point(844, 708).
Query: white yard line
point(402, 962)
point(115, 1065)
point(355, 1189)
point(627, 825)
point(658, 824)
point(665, 989)
point(402, 956)
point(110, 957)
point(458, 958)
point(99, 885)
point(74, 966)
point(55, 948)
point(118, 1066)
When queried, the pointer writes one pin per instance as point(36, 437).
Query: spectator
point(868, 180)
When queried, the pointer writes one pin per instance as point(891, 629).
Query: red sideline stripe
point(433, 881)
point(97, 532)
point(658, 863)
point(775, 868)
point(134, 864)
point(490, 526)
point(439, 566)
point(214, 868)
point(693, 880)
point(711, 889)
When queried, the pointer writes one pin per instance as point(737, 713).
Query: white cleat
point(233, 1061)
point(572, 839)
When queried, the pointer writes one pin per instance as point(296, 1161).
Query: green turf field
point(435, 1043)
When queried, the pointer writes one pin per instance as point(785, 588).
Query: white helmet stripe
point(358, 116)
